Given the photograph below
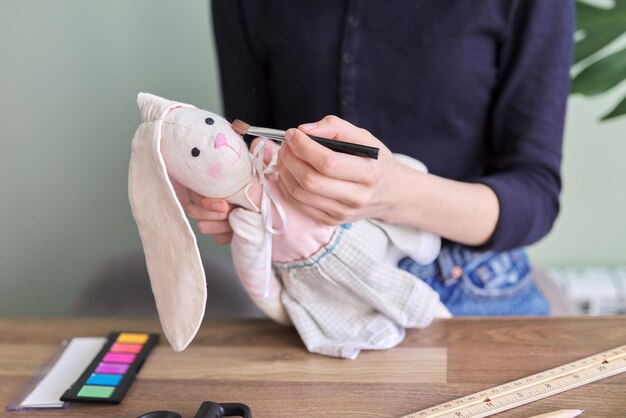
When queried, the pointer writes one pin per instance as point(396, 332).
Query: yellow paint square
point(127, 337)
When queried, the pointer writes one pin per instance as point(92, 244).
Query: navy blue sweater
point(476, 90)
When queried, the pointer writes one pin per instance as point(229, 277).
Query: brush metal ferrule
point(266, 132)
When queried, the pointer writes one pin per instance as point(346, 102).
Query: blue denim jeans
point(474, 283)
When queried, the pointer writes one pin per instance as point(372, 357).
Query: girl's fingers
point(333, 127)
point(327, 210)
point(214, 227)
point(298, 174)
point(223, 238)
point(311, 211)
point(208, 203)
point(200, 214)
point(216, 205)
point(211, 216)
point(329, 163)
point(194, 197)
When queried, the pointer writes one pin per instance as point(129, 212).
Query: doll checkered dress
point(346, 298)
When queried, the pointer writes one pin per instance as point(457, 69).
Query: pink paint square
point(126, 348)
point(118, 358)
point(112, 368)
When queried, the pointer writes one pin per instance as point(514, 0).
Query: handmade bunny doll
point(339, 286)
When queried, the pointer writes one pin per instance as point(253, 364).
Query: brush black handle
point(347, 147)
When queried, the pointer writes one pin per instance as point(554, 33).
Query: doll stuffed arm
point(248, 251)
point(251, 246)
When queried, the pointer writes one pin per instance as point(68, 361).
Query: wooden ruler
point(531, 388)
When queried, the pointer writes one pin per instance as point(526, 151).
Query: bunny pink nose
point(220, 140)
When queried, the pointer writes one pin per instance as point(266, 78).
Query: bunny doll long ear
point(172, 255)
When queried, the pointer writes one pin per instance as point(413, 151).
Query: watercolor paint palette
point(110, 374)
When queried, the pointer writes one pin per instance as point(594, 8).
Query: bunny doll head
point(199, 150)
point(203, 153)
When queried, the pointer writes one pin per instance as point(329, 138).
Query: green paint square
point(91, 391)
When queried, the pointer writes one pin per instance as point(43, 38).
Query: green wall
point(591, 228)
point(69, 74)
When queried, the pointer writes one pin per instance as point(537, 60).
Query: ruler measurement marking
point(531, 388)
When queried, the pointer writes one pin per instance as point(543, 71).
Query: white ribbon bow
point(267, 199)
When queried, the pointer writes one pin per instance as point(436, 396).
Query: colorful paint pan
point(126, 348)
point(110, 374)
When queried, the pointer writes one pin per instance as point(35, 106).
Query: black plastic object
point(217, 410)
point(161, 414)
point(208, 409)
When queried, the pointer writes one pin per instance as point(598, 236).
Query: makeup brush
point(242, 128)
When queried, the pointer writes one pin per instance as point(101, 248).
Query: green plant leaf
point(601, 26)
point(619, 5)
point(602, 75)
point(619, 110)
point(596, 38)
point(587, 15)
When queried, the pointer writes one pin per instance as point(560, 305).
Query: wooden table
point(265, 366)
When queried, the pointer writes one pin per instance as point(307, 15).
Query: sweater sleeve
point(525, 141)
point(243, 69)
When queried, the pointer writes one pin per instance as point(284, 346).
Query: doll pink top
point(303, 235)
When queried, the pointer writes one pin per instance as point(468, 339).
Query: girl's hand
point(211, 216)
point(333, 187)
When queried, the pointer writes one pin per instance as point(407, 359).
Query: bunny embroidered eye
point(195, 152)
point(209, 121)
